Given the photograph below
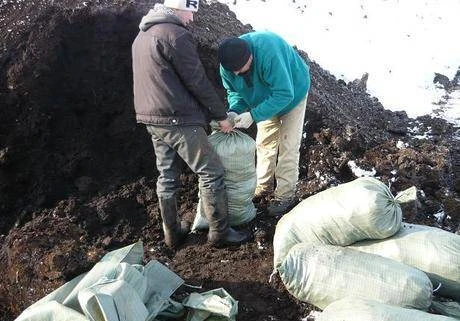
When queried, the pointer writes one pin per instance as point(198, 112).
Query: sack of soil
point(237, 154)
point(322, 274)
point(341, 215)
point(430, 249)
point(356, 309)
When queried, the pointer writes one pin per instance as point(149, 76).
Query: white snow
point(400, 43)
point(359, 172)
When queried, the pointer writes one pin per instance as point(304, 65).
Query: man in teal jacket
point(267, 82)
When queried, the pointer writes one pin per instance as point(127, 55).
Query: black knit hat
point(234, 53)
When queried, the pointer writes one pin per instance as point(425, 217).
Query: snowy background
point(400, 43)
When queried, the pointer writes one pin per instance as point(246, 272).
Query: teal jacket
point(276, 82)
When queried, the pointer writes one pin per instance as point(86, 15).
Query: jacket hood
point(159, 14)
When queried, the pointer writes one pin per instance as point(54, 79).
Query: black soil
point(77, 174)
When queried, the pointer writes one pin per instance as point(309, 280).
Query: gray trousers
point(189, 143)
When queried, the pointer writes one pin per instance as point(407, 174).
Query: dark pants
point(189, 143)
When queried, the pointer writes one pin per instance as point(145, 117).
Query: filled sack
point(430, 249)
point(358, 210)
point(356, 309)
point(322, 274)
point(237, 154)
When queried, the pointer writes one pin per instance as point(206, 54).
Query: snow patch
point(359, 172)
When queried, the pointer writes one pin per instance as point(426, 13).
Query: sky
point(400, 43)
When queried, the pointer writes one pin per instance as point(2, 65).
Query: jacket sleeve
point(275, 72)
point(188, 66)
point(235, 101)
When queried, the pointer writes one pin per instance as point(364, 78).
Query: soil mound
point(77, 174)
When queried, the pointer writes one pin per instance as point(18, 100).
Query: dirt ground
point(77, 174)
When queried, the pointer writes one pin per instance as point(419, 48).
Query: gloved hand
point(231, 117)
point(243, 120)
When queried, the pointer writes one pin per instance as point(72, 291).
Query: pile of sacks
point(120, 288)
point(346, 251)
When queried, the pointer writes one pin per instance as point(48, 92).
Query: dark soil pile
point(77, 175)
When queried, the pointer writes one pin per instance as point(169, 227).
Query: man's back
point(170, 83)
point(160, 95)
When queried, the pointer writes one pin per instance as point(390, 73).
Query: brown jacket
point(170, 83)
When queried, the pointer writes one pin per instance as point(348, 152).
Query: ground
point(77, 174)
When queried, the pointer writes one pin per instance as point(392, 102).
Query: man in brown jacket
point(174, 99)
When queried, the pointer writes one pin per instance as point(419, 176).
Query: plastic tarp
point(118, 288)
point(322, 274)
point(356, 309)
point(341, 215)
point(430, 249)
point(237, 154)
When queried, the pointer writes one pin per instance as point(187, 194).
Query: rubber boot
point(215, 208)
point(175, 231)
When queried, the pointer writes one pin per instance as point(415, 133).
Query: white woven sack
point(341, 215)
point(236, 151)
point(356, 309)
point(51, 311)
point(430, 249)
point(322, 274)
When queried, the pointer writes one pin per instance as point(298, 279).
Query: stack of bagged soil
point(349, 243)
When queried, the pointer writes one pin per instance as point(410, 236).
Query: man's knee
point(212, 180)
point(168, 187)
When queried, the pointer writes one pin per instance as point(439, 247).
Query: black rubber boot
point(175, 232)
point(215, 207)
